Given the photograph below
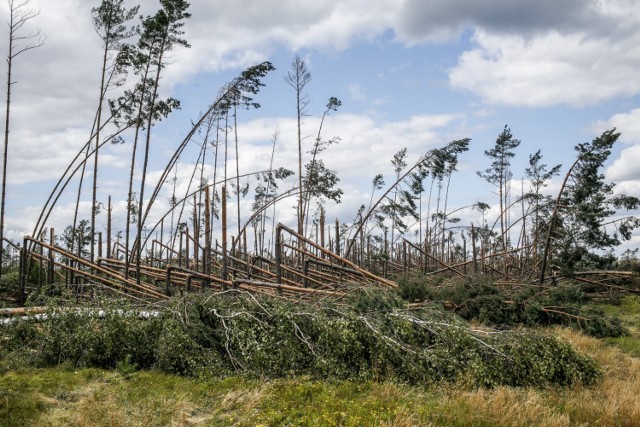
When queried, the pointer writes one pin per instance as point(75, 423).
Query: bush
point(413, 288)
point(9, 283)
point(259, 336)
point(525, 305)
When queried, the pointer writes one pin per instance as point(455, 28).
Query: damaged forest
point(403, 307)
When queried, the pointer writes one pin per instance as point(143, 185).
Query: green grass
point(629, 312)
point(630, 344)
point(628, 309)
point(27, 394)
point(59, 396)
point(91, 397)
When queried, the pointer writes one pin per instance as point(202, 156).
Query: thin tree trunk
point(215, 174)
point(196, 234)
point(301, 195)
point(132, 170)
point(6, 139)
point(235, 131)
point(75, 213)
point(223, 270)
point(146, 158)
point(268, 190)
point(109, 228)
point(95, 154)
point(207, 233)
point(501, 195)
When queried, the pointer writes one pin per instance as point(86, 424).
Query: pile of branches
point(504, 305)
point(367, 335)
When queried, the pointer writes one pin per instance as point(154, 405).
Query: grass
point(90, 397)
point(125, 397)
point(629, 312)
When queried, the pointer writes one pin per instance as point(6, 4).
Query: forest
point(204, 284)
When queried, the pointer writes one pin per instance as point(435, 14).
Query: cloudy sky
point(409, 73)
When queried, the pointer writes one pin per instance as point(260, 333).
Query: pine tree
point(110, 21)
point(78, 238)
point(538, 175)
point(319, 181)
point(160, 33)
point(499, 174)
point(395, 209)
point(586, 216)
point(298, 78)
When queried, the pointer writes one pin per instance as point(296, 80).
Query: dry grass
point(245, 399)
point(613, 402)
point(403, 418)
point(108, 402)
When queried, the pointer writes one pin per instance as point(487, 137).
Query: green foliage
point(364, 300)
point(532, 359)
point(319, 181)
point(587, 205)
point(88, 339)
point(78, 239)
point(178, 353)
point(65, 396)
point(499, 174)
point(111, 22)
point(528, 305)
point(629, 261)
point(627, 309)
point(9, 281)
point(233, 332)
point(445, 160)
point(414, 288)
point(501, 154)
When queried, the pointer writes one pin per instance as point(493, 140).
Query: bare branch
point(20, 14)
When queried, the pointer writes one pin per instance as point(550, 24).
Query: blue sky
point(409, 74)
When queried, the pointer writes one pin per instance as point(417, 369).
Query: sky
point(409, 73)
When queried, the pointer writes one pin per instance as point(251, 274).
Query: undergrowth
point(368, 336)
point(527, 305)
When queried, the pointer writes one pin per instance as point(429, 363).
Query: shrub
point(235, 332)
point(525, 305)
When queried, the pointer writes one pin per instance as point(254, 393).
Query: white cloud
point(236, 34)
point(631, 188)
point(57, 84)
point(550, 69)
point(534, 54)
point(366, 145)
point(626, 166)
point(541, 56)
point(628, 124)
